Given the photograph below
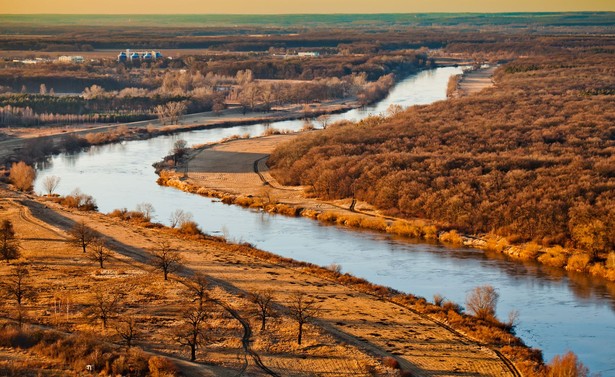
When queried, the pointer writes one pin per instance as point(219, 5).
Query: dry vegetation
point(529, 160)
point(129, 301)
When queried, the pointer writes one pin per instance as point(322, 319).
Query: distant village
point(132, 56)
point(138, 55)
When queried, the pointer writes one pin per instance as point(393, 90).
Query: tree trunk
point(192, 352)
point(300, 333)
point(263, 323)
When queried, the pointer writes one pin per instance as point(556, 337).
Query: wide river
point(559, 311)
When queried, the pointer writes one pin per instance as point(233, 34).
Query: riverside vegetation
point(527, 165)
point(537, 138)
point(130, 313)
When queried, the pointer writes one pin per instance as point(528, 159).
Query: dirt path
point(239, 167)
point(376, 327)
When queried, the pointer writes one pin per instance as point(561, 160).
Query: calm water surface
point(558, 311)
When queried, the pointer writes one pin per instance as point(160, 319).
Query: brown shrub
point(578, 262)
point(452, 237)
point(390, 362)
point(554, 256)
point(190, 228)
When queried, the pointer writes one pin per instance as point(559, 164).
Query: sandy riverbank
point(474, 81)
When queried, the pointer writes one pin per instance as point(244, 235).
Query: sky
point(295, 6)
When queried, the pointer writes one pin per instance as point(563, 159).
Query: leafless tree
point(99, 252)
point(82, 235)
point(191, 332)
point(16, 287)
point(170, 112)
point(324, 120)
point(199, 287)
point(179, 217)
point(394, 109)
point(166, 259)
point(50, 183)
point(482, 301)
point(263, 301)
point(22, 176)
point(9, 245)
point(147, 209)
point(104, 306)
point(128, 329)
point(302, 309)
point(180, 147)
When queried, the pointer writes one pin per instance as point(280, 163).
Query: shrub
point(161, 367)
point(451, 237)
point(80, 201)
point(375, 223)
point(190, 228)
point(22, 176)
point(496, 244)
point(390, 362)
point(578, 262)
point(482, 301)
point(329, 217)
point(554, 256)
point(566, 366)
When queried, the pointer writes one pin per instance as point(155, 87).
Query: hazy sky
point(295, 6)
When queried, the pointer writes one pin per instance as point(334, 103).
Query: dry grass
point(64, 275)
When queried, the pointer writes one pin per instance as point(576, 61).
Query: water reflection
point(559, 310)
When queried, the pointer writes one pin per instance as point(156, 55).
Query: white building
point(71, 59)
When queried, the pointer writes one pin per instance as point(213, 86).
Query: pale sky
point(296, 6)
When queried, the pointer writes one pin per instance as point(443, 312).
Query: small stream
point(559, 311)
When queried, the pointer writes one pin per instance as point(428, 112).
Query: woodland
point(531, 159)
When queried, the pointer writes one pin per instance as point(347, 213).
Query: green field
point(334, 20)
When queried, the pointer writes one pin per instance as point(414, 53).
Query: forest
point(531, 159)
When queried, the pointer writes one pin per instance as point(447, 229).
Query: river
point(559, 311)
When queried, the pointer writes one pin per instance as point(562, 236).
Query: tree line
point(529, 160)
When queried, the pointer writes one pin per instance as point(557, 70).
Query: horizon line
point(297, 14)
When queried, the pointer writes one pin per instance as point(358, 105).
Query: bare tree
point(166, 259)
point(50, 183)
point(199, 286)
point(179, 217)
point(191, 332)
point(9, 245)
point(16, 287)
point(263, 301)
point(22, 176)
point(171, 112)
point(324, 120)
point(105, 305)
point(82, 235)
point(128, 329)
point(180, 147)
point(394, 109)
point(302, 310)
point(482, 301)
point(147, 209)
point(99, 252)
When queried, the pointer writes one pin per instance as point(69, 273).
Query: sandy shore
point(475, 81)
point(238, 167)
point(351, 325)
